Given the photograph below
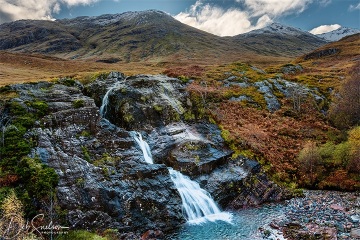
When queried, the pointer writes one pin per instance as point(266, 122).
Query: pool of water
point(245, 225)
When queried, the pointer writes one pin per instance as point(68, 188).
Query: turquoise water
point(245, 225)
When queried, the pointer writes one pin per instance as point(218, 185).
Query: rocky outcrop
point(104, 181)
point(143, 102)
point(266, 89)
point(193, 147)
point(322, 53)
point(241, 183)
point(272, 90)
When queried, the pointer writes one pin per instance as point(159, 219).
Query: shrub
point(67, 82)
point(78, 103)
point(184, 79)
point(345, 109)
point(354, 146)
point(339, 180)
point(32, 180)
point(86, 154)
point(38, 179)
point(12, 220)
point(309, 164)
point(158, 108)
point(41, 107)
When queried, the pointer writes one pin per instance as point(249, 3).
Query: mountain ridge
point(138, 36)
point(338, 34)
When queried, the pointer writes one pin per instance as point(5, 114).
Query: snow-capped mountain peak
point(337, 34)
point(277, 28)
point(107, 19)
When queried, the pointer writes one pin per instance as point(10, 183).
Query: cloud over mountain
point(242, 16)
point(324, 29)
point(11, 10)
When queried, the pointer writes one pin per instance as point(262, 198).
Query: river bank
point(318, 215)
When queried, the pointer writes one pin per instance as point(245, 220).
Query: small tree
point(309, 164)
point(298, 95)
point(345, 109)
point(354, 142)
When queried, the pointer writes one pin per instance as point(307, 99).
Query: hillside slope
point(148, 35)
point(273, 113)
point(279, 40)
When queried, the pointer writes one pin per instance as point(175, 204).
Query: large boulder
point(241, 183)
point(103, 179)
point(141, 102)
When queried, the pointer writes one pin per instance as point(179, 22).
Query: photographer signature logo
point(14, 227)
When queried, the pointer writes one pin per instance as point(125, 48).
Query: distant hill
point(338, 34)
point(346, 49)
point(278, 39)
point(149, 35)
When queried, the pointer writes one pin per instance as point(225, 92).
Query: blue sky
point(221, 17)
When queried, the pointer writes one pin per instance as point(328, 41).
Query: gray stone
point(355, 233)
point(266, 88)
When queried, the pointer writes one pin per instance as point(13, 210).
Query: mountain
point(338, 34)
point(130, 36)
point(149, 35)
point(278, 39)
point(278, 28)
point(343, 53)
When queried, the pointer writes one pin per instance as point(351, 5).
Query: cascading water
point(198, 205)
point(105, 101)
point(144, 148)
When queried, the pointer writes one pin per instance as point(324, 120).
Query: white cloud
point(249, 15)
point(354, 7)
point(325, 28)
point(11, 10)
point(324, 3)
point(217, 21)
point(276, 8)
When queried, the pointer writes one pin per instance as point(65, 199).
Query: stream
point(205, 220)
point(245, 225)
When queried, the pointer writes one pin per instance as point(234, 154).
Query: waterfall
point(198, 206)
point(197, 203)
point(105, 100)
point(144, 148)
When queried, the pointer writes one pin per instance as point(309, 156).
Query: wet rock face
point(143, 102)
point(194, 148)
point(103, 180)
point(241, 183)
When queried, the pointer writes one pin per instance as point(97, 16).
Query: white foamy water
point(105, 100)
point(198, 206)
point(144, 148)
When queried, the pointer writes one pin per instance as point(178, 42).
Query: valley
point(102, 117)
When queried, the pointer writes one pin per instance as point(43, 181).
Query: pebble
point(355, 218)
point(355, 233)
point(327, 212)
